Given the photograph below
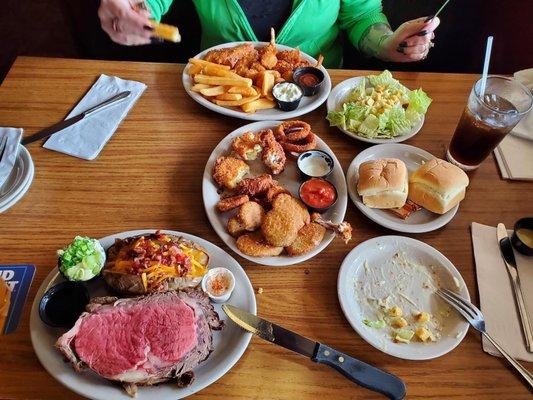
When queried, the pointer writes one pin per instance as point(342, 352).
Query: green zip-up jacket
point(313, 26)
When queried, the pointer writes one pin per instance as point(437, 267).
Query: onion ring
point(305, 144)
point(292, 131)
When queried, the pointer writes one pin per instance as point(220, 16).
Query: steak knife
point(510, 262)
point(71, 121)
point(357, 371)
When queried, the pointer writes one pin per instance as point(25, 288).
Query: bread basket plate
point(229, 343)
point(368, 275)
point(307, 104)
point(337, 98)
point(289, 178)
point(418, 222)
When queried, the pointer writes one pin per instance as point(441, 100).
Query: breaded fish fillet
point(229, 171)
point(292, 205)
point(254, 244)
point(309, 237)
point(231, 55)
point(280, 227)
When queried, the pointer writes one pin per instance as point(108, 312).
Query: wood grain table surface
point(149, 176)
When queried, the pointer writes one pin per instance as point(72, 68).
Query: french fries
point(236, 103)
point(244, 90)
point(217, 80)
point(204, 63)
point(213, 91)
point(199, 86)
point(229, 96)
point(195, 69)
point(267, 83)
point(259, 104)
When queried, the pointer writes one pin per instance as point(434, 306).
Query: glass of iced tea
point(487, 119)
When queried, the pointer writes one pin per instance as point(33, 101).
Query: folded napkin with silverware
point(496, 295)
point(86, 138)
point(514, 154)
point(9, 148)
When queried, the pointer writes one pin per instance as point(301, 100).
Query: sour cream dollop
point(287, 91)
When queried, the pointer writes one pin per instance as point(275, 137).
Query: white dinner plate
point(419, 221)
point(230, 343)
point(376, 252)
point(19, 181)
point(307, 104)
point(288, 178)
point(337, 98)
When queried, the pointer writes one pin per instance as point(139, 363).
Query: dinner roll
point(383, 183)
point(438, 186)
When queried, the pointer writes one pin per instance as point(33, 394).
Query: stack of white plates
point(18, 182)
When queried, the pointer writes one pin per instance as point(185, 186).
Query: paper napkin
point(10, 155)
point(88, 137)
point(514, 154)
point(496, 295)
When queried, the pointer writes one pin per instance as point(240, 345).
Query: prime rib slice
point(143, 340)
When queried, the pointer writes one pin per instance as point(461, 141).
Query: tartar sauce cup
point(522, 238)
point(314, 164)
point(218, 283)
point(287, 95)
point(309, 79)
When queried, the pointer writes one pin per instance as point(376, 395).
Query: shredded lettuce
point(374, 324)
point(380, 107)
point(81, 260)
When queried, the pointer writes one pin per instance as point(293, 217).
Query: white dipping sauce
point(287, 91)
point(314, 166)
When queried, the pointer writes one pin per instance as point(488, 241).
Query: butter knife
point(357, 371)
point(71, 121)
point(510, 262)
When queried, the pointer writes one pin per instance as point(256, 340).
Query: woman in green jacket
point(312, 25)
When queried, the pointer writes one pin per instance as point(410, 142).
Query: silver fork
point(474, 316)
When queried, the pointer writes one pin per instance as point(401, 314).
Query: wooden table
point(149, 175)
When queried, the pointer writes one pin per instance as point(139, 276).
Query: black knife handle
point(361, 373)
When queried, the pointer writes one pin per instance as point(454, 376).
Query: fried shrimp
point(273, 154)
point(267, 54)
point(229, 171)
point(247, 146)
point(232, 202)
point(309, 237)
point(256, 186)
point(254, 244)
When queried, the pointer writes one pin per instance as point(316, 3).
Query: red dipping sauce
point(318, 193)
point(308, 79)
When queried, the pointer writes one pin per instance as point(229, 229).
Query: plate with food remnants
point(275, 194)
point(386, 289)
point(377, 108)
point(257, 81)
point(405, 188)
point(138, 314)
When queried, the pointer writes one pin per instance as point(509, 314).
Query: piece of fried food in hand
point(229, 171)
point(254, 244)
point(235, 227)
point(229, 203)
point(309, 237)
point(280, 227)
point(256, 186)
point(273, 192)
point(273, 154)
point(292, 205)
point(247, 146)
point(251, 215)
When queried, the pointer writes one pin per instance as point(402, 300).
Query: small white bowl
point(215, 271)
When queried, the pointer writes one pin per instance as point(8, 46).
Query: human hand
point(124, 22)
point(410, 42)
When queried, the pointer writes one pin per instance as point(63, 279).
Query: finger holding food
point(228, 172)
point(254, 245)
point(251, 215)
point(232, 202)
point(256, 186)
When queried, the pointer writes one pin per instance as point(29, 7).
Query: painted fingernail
point(148, 28)
point(429, 18)
point(156, 40)
point(403, 44)
point(422, 33)
point(400, 50)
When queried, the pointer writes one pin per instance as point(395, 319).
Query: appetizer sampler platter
point(388, 277)
point(373, 108)
point(289, 179)
point(229, 343)
point(307, 103)
point(421, 220)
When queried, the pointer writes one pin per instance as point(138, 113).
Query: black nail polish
point(400, 50)
point(429, 18)
point(148, 28)
point(403, 44)
point(422, 33)
point(156, 40)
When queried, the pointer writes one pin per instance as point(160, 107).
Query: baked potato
point(155, 262)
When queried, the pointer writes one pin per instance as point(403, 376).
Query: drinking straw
point(486, 66)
